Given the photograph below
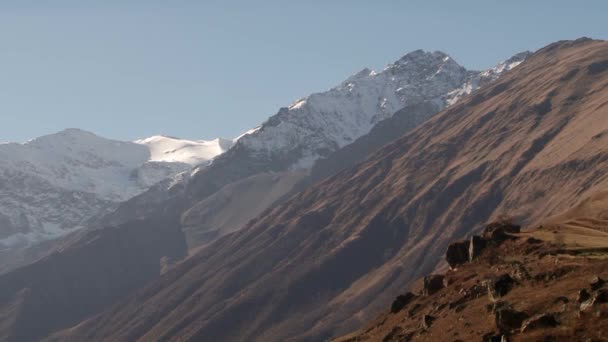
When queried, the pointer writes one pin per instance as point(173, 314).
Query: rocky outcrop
point(432, 283)
point(461, 252)
point(457, 253)
point(476, 245)
point(401, 302)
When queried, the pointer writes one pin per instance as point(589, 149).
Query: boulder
point(500, 286)
point(508, 319)
point(476, 245)
point(457, 253)
point(596, 283)
point(401, 302)
point(432, 284)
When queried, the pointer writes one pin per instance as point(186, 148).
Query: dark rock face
point(457, 253)
point(476, 245)
point(432, 284)
point(539, 321)
point(402, 301)
point(87, 276)
point(500, 286)
point(509, 319)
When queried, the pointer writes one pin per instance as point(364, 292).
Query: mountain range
point(308, 226)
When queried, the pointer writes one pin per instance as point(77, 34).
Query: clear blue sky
point(202, 69)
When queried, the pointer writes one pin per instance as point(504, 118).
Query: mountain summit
point(321, 123)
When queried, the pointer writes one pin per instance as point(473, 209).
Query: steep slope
point(52, 184)
point(330, 258)
point(320, 125)
point(85, 275)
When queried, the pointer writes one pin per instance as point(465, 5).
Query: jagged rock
point(499, 232)
point(583, 296)
point(500, 286)
point(539, 321)
point(476, 245)
point(432, 284)
point(509, 319)
point(596, 283)
point(402, 301)
point(457, 253)
point(427, 321)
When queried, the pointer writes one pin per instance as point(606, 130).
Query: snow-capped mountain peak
point(321, 123)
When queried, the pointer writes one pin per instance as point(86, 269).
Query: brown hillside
point(532, 144)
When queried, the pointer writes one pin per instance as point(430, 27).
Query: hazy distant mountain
point(51, 184)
